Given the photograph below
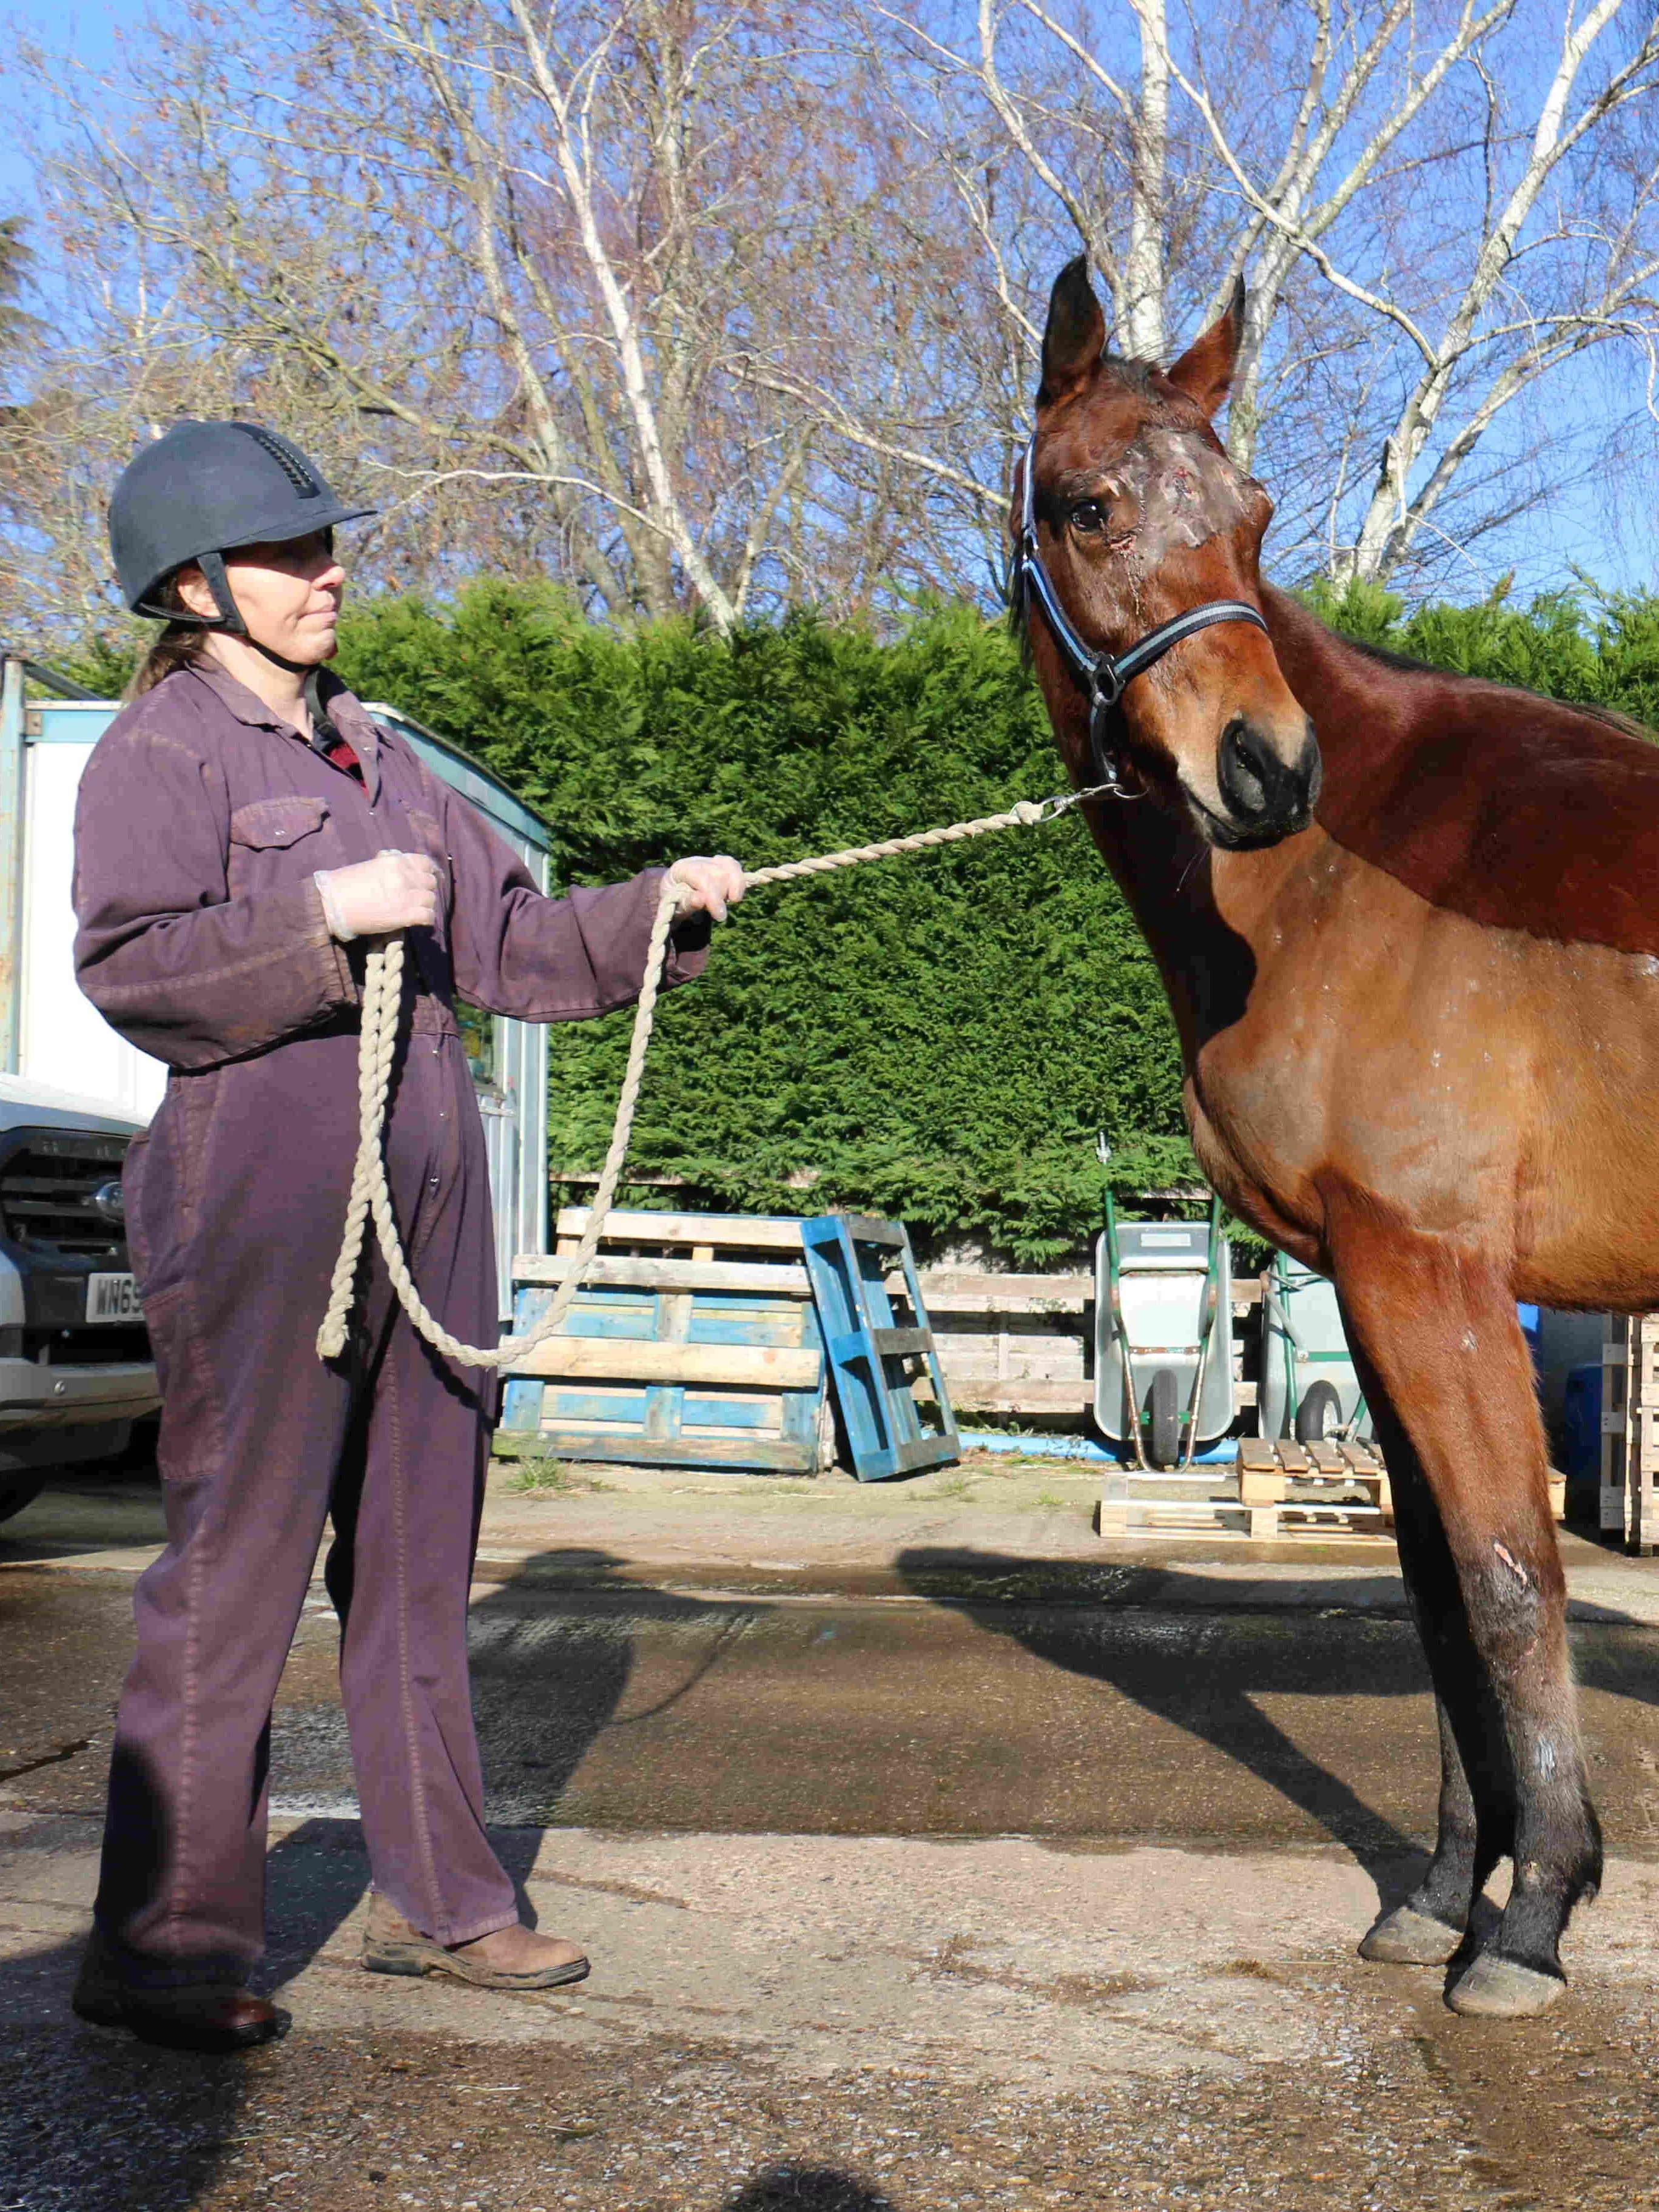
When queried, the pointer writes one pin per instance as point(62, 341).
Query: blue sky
point(1574, 529)
point(86, 30)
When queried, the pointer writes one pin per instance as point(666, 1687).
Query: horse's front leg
point(1429, 1928)
point(1436, 1328)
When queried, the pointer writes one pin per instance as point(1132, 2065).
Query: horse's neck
point(1359, 704)
point(1207, 959)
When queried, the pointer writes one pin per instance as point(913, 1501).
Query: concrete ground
point(931, 1854)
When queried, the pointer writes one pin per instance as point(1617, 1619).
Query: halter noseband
point(1106, 674)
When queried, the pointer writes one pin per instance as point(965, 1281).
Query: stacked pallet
point(1011, 1343)
point(1630, 1431)
point(693, 1341)
point(1337, 1488)
point(1277, 1490)
point(711, 1341)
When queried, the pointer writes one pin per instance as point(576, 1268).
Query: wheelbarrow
point(1164, 1369)
point(1309, 1390)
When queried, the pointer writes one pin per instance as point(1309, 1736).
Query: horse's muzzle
point(1266, 797)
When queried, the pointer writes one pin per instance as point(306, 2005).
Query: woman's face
point(289, 595)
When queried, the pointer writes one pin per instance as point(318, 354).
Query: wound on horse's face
point(1180, 492)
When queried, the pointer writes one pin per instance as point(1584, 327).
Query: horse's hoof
point(1496, 1988)
point(1404, 1937)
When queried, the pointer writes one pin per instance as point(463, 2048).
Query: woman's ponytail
point(178, 645)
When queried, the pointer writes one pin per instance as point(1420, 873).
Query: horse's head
point(1139, 518)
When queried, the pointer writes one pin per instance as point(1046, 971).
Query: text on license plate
point(113, 1297)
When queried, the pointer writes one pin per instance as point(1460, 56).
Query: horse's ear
point(1205, 371)
point(1075, 335)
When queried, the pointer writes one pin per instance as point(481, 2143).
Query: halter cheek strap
point(1106, 674)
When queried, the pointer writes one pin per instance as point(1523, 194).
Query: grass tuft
point(554, 1478)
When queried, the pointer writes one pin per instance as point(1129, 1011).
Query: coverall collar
point(354, 725)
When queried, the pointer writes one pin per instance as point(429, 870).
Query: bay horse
point(1408, 925)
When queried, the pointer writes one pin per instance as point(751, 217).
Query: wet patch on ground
point(630, 1708)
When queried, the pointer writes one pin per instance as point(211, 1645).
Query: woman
point(241, 826)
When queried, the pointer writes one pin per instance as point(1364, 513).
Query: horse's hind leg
point(1437, 1331)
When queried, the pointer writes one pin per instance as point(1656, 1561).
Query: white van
point(75, 1372)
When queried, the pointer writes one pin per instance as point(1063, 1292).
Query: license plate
point(113, 1297)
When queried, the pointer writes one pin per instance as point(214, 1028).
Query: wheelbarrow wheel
point(1320, 1413)
point(1164, 1409)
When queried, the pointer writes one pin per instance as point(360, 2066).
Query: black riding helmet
point(198, 493)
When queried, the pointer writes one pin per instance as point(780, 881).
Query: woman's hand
point(707, 886)
point(394, 891)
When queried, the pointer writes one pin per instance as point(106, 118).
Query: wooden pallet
point(670, 1355)
point(1280, 1490)
point(1630, 1431)
point(1303, 1484)
point(1274, 1491)
point(885, 1369)
point(1023, 1344)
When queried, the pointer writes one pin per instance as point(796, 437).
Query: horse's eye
point(1088, 516)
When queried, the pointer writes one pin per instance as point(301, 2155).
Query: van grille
point(48, 1185)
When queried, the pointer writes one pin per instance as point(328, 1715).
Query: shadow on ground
point(807, 2189)
point(91, 2119)
point(1217, 1703)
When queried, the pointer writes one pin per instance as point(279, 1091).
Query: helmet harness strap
point(229, 621)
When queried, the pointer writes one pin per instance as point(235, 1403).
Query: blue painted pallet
point(872, 1360)
point(672, 1361)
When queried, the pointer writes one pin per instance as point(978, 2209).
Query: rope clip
point(1063, 802)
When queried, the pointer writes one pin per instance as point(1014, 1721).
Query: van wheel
point(1320, 1413)
point(1162, 1404)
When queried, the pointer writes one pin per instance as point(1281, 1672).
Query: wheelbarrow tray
point(1303, 1342)
point(1164, 1275)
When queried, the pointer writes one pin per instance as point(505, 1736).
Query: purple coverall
point(201, 821)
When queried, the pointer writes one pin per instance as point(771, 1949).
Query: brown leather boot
point(209, 2016)
point(510, 1958)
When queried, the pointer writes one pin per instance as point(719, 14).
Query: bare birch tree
point(1428, 222)
point(718, 306)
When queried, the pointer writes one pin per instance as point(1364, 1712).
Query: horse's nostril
point(1265, 796)
point(1244, 769)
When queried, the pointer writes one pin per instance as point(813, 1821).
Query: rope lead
point(383, 985)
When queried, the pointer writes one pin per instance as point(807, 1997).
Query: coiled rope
point(382, 1008)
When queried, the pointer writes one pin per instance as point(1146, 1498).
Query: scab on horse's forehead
point(1180, 489)
point(1184, 490)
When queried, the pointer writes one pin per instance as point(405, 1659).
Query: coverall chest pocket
point(274, 842)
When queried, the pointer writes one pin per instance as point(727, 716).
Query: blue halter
point(1106, 674)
